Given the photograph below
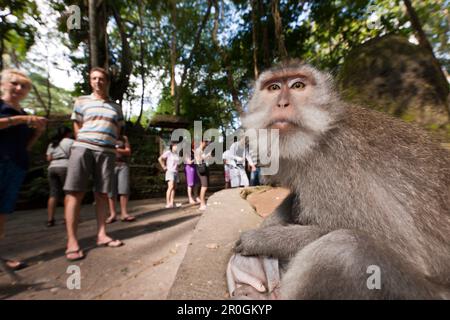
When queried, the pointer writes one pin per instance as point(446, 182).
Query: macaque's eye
point(273, 86)
point(298, 85)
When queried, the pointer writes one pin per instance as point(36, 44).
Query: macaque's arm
point(281, 242)
point(282, 214)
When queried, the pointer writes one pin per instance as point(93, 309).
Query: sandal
point(79, 256)
point(50, 223)
point(110, 220)
point(110, 244)
point(15, 265)
point(128, 219)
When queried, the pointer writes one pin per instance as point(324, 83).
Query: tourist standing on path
point(201, 161)
point(98, 122)
point(58, 153)
point(169, 161)
point(18, 132)
point(121, 183)
point(238, 153)
point(192, 179)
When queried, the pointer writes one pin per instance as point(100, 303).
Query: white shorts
point(172, 176)
point(238, 177)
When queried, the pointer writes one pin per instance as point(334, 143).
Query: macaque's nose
point(284, 101)
point(283, 104)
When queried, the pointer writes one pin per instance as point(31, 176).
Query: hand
point(247, 245)
point(37, 122)
point(253, 168)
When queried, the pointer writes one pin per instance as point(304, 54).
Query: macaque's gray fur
point(366, 189)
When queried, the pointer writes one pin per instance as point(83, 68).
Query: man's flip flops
point(114, 243)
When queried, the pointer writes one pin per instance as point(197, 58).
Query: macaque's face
point(15, 88)
point(295, 100)
point(98, 82)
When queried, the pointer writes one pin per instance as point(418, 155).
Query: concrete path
point(144, 268)
point(202, 274)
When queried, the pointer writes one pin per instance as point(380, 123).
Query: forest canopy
point(196, 58)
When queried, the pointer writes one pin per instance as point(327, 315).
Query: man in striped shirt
point(98, 122)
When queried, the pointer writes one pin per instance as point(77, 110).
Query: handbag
point(201, 168)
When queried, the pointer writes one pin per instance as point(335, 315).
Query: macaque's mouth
point(282, 125)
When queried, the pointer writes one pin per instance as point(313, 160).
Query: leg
point(172, 194)
point(72, 206)
point(51, 208)
point(124, 209)
point(340, 265)
point(203, 196)
point(169, 193)
point(101, 208)
point(112, 210)
point(189, 192)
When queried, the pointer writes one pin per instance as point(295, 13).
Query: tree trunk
point(120, 83)
point(424, 43)
point(2, 49)
point(234, 93)
point(98, 45)
point(173, 52)
point(279, 36)
point(255, 29)
point(93, 43)
point(188, 62)
point(49, 93)
point(265, 34)
point(141, 58)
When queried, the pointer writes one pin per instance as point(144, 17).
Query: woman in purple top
point(192, 179)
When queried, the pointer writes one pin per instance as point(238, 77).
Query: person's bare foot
point(108, 242)
point(74, 255)
point(192, 201)
point(15, 264)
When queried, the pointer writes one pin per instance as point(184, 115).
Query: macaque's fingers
point(248, 243)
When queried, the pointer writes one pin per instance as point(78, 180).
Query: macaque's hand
point(249, 243)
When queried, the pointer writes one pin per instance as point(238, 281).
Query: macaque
point(368, 192)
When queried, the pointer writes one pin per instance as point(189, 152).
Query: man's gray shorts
point(121, 181)
point(86, 164)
